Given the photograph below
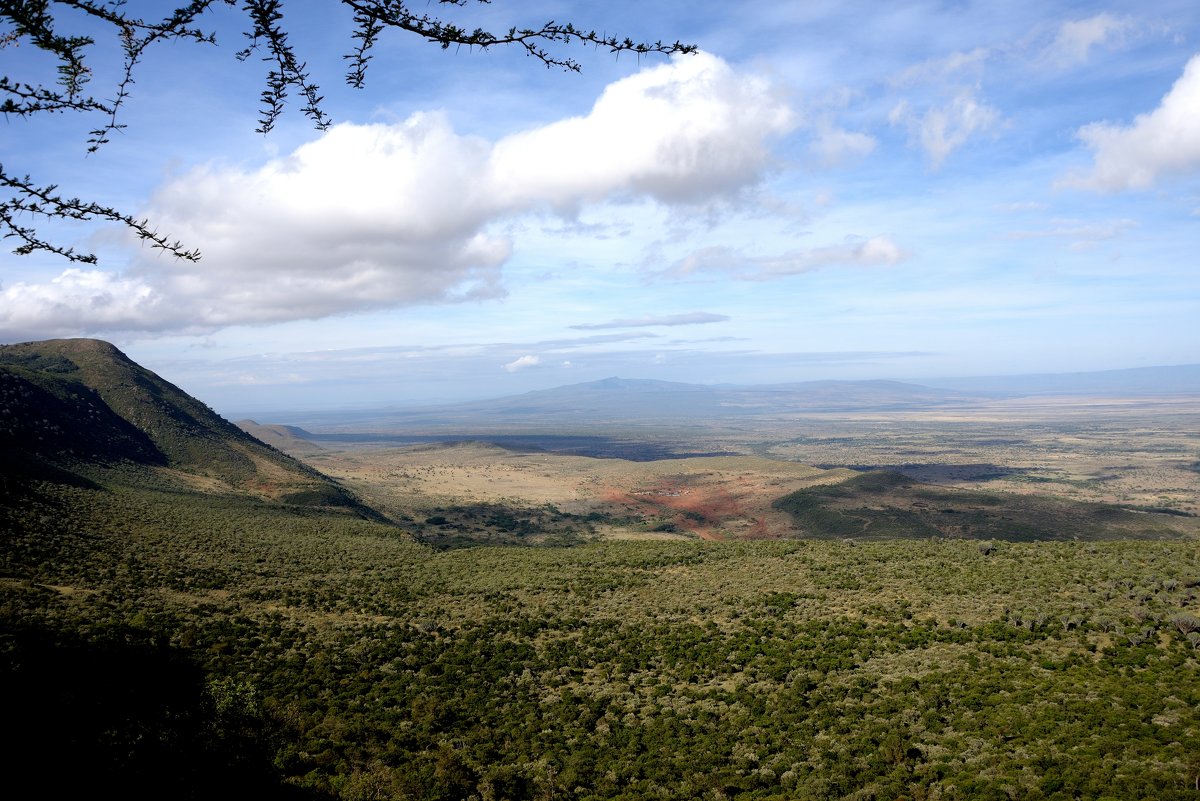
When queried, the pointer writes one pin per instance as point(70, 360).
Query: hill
point(884, 504)
point(289, 439)
point(79, 410)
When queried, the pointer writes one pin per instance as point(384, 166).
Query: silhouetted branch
point(44, 201)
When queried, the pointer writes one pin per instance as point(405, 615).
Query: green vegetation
point(473, 524)
point(355, 663)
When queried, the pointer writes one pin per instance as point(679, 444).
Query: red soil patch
point(698, 508)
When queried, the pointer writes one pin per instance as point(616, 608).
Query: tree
point(34, 22)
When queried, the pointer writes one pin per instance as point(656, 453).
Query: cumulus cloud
point(79, 300)
point(878, 250)
point(939, 131)
point(1162, 142)
point(678, 133)
point(376, 216)
point(522, 363)
point(1076, 38)
point(692, 318)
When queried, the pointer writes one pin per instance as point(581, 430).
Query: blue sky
point(828, 190)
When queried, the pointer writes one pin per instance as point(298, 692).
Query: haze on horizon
point(826, 191)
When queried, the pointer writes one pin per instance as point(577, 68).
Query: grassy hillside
point(884, 505)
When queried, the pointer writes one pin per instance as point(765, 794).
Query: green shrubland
point(194, 643)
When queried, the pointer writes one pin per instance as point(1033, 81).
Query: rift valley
point(618, 590)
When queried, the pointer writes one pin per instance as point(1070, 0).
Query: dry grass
point(712, 497)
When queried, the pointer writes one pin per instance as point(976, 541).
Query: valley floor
point(1141, 455)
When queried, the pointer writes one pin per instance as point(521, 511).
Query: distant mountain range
point(640, 399)
point(644, 403)
point(645, 399)
point(641, 402)
point(1183, 379)
point(80, 411)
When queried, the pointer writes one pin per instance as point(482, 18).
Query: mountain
point(637, 402)
point(76, 409)
point(638, 398)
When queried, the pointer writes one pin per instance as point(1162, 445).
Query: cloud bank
point(377, 216)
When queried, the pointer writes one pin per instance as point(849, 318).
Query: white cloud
point(878, 250)
point(1162, 142)
point(942, 130)
point(377, 216)
point(943, 68)
point(522, 363)
point(268, 380)
point(678, 133)
point(1020, 206)
point(1076, 38)
point(1083, 234)
point(691, 318)
point(833, 145)
point(77, 300)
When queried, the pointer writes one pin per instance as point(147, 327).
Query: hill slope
point(72, 407)
point(883, 504)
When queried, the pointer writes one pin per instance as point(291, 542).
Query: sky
point(843, 190)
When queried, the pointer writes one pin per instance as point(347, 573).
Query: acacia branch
point(25, 99)
point(371, 16)
point(44, 201)
point(289, 71)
